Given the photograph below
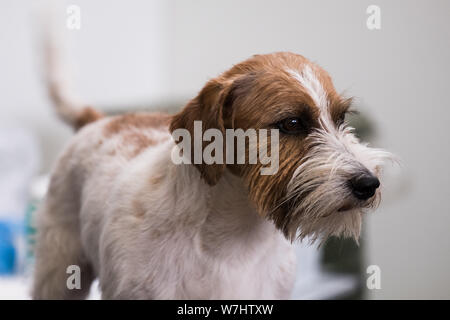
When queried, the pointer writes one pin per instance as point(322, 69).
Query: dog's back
point(83, 177)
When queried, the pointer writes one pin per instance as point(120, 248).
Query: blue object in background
point(19, 160)
point(7, 249)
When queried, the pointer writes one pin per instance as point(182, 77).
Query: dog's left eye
point(292, 126)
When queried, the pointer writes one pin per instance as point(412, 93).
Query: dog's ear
point(209, 108)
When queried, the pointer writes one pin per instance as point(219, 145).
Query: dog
point(121, 210)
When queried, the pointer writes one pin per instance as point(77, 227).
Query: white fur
point(309, 81)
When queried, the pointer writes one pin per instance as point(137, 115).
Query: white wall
point(132, 51)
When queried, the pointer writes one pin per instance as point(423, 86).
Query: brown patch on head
point(253, 94)
point(259, 93)
point(87, 115)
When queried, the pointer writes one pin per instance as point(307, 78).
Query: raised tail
point(67, 106)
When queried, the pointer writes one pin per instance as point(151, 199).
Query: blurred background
point(155, 55)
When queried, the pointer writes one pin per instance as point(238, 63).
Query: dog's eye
point(292, 126)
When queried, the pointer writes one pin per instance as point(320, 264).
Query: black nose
point(364, 186)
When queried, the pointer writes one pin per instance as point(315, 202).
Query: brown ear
point(207, 107)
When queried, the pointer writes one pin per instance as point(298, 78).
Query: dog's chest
point(263, 274)
point(259, 267)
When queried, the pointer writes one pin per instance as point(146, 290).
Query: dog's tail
point(67, 106)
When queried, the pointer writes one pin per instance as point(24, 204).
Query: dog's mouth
point(347, 206)
point(350, 205)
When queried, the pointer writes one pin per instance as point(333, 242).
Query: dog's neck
point(231, 217)
point(223, 214)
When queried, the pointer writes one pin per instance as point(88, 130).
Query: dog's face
point(326, 177)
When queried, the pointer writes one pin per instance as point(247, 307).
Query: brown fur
point(208, 107)
point(136, 121)
point(133, 130)
point(86, 116)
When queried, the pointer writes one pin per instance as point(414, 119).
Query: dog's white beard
point(319, 191)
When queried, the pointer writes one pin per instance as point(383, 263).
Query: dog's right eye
point(292, 126)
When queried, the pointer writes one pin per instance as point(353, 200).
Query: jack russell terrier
point(122, 210)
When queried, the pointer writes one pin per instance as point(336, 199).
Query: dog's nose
point(364, 186)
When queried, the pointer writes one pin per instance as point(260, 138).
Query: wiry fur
point(319, 200)
point(319, 187)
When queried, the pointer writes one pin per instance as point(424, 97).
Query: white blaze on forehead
point(311, 83)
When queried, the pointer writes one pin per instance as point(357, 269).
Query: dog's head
point(326, 177)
